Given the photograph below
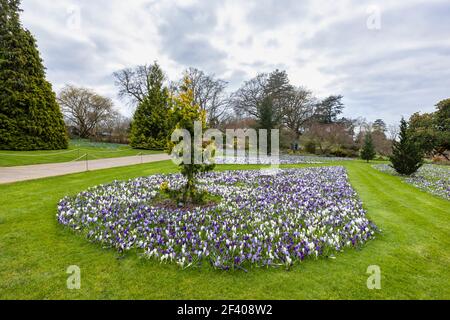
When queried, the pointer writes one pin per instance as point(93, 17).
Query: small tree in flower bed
point(185, 113)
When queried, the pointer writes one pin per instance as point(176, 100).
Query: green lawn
point(78, 150)
point(413, 250)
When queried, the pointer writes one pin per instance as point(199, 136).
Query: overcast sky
point(387, 58)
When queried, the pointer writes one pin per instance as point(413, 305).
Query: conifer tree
point(407, 156)
point(185, 113)
point(151, 126)
point(30, 118)
point(269, 119)
point(368, 150)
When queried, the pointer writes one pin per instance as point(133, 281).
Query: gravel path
point(31, 172)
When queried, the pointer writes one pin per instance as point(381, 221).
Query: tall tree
point(249, 96)
point(422, 130)
point(84, 110)
point(368, 150)
point(298, 110)
point(30, 118)
point(407, 156)
point(432, 130)
point(328, 110)
point(265, 90)
point(269, 118)
point(151, 124)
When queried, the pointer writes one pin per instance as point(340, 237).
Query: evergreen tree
point(278, 86)
point(368, 150)
point(151, 127)
point(185, 113)
point(379, 125)
point(329, 109)
point(269, 119)
point(407, 156)
point(30, 118)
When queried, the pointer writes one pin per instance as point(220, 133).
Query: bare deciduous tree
point(327, 136)
point(381, 142)
point(393, 131)
point(209, 94)
point(248, 98)
point(133, 83)
point(298, 110)
point(114, 129)
point(84, 110)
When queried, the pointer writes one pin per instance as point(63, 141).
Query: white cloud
point(324, 45)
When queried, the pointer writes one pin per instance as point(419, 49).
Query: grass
point(412, 252)
point(78, 150)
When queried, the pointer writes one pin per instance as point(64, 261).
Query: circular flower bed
point(262, 220)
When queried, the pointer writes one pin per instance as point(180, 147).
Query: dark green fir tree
point(407, 156)
point(368, 150)
point(30, 118)
point(151, 127)
point(269, 119)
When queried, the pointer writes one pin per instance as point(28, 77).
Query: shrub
point(407, 156)
point(339, 152)
point(310, 147)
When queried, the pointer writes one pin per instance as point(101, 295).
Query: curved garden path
point(31, 172)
